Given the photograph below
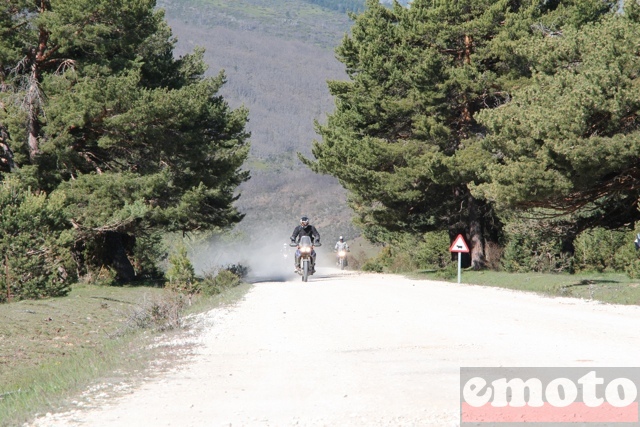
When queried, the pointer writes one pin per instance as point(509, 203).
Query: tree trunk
point(466, 113)
point(7, 164)
point(33, 109)
point(476, 235)
point(77, 253)
point(468, 43)
point(34, 99)
point(115, 250)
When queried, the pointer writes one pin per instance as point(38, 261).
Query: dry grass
point(611, 288)
point(52, 350)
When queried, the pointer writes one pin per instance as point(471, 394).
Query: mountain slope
point(277, 56)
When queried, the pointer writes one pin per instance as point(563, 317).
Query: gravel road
point(350, 349)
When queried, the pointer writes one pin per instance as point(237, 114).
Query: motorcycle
point(342, 258)
point(305, 249)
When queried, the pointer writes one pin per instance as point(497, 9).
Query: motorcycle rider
point(340, 245)
point(305, 229)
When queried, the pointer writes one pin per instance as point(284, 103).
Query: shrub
point(449, 272)
point(633, 269)
point(433, 251)
point(149, 251)
point(408, 252)
point(534, 245)
point(160, 313)
point(598, 250)
point(402, 261)
point(378, 263)
point(214, 282)
point(181, 273)
point(238, 270)
point(34, 244)
point(373, 265)
point(627, 256)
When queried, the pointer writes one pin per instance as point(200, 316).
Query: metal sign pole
point(459, 245)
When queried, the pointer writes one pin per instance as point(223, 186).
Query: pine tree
point(96, 107)
point(570, 140)
point(404, 136)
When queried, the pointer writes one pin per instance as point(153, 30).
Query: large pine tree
point(95, 108)
point(402, 137)
point(570, 140)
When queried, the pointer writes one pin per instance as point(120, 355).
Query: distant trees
point(456, 109)
point(341, 5)
point(97, 113)
point(351, 5)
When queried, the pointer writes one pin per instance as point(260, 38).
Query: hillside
point(277, 56)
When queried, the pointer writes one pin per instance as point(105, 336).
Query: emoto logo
point(559, 396)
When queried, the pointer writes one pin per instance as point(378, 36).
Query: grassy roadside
point(612, 288)
point(51, 350)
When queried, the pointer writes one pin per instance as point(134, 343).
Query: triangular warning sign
point(459, 245)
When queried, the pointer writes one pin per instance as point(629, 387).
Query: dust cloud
point(266, 254)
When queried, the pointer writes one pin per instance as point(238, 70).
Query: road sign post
point(459, 246)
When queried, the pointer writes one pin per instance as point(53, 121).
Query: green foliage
point(373, 265)
point(181, 273)
point(633, 268)
point(449, 272)
point(98, 113)
point(569, 139)
point(599, 249)
point(534, 245)
point(454, 110)
point(610, 288)
point(629, 257)
point(418, 76)
point(148, 252)
point(411, 252)
point(433, 252)
point(215, 282)
point(34, 244)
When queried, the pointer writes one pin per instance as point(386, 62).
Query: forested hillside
point(277, 56)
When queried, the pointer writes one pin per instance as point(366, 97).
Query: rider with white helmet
point(341, 245)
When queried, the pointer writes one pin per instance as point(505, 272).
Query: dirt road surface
point(349, 349)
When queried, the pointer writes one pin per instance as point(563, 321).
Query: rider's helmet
point(341, 239)
point(304, 221)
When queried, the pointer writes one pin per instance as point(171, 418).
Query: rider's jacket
point(309, 230)
point(342, 245)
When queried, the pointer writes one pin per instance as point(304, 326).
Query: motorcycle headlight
point(342, 253)
point(305, 249)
